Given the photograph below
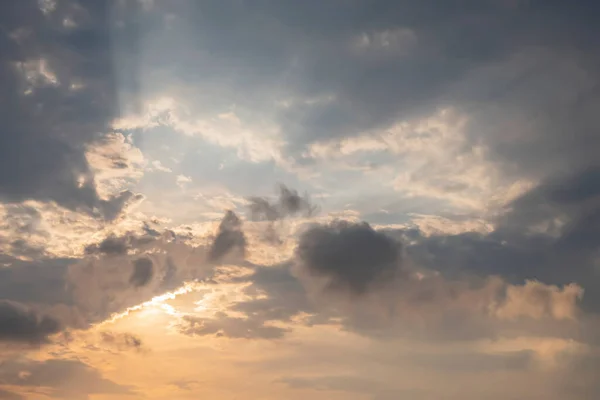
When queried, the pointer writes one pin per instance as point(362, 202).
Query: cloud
point(229, 237)
point(79, 292)
point(352, 256)
point(18, 323)
point(223, 325)
point(537, 300)
point(65, 379)
point(537, 235)
point(112, 245)
point(5, 394)
point(143, 271)
point(121, 340)
point(288, 203)
point(47, 123)
point(395, 297)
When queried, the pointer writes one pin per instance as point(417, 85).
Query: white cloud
point(433, 158)
point(182, 180)
point(158, 166)
point(254, 141)
point(116, 162)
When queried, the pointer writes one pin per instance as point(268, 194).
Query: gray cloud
point(223, 325)
point(351, 68)
point(353, 256)
point(143, 271)
point(18, 323)
point(80, 292)
point(47, 124)
point(120, 245)
point(5, 394)
point(549, 234)
point(121, 340)
point(66, 379)
point(286, 297)
point(229, 237)
point(288, 203)
point(112, 245)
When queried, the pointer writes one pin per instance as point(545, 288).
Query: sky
point(277, 199)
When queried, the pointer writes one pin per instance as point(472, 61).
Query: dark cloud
point(65, 379)
point(352, 255)
point(229, 237)
point(120, 245)
point(18, 323)
point(79, 292)
point(143, 271)
point(40, 281)
point(286, 297)
point(548, 234)
point(111, 245)
point(58, 96)
point(288, 203)
point(416, 304)
point(121, 340)
point(351, 68)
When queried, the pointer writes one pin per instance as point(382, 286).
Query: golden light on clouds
point(157, 302)
point(236, 200)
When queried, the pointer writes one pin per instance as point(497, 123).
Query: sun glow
point(157, 302)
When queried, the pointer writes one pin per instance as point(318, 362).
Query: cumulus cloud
point(424, 107)
point(352, 256)
point(537, 300)
point(538, 234)
point(229, 237)
point(393, 296)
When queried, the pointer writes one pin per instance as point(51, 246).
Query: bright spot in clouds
point(365, 200)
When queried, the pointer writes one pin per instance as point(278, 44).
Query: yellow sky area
point(320, 362)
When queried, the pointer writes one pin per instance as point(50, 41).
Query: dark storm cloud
point(352, 255)
point(58, 96)
point(143, 271)
point(229, 237)
point(18, 323)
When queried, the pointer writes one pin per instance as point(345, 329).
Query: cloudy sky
point(285, 199)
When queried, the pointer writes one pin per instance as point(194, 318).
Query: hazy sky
point(291, 199)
